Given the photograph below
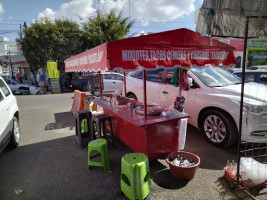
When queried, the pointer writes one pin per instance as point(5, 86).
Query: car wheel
point(132, 96)
point(218, 128)
point(15, 133)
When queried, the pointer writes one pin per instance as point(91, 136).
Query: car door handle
point(165, 92)
point(114, 82)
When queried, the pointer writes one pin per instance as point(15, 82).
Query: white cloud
point(74, 10)
point(145, 11)
point(160, 10)
point(1, 10)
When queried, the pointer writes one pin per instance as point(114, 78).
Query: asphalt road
point(49, 165)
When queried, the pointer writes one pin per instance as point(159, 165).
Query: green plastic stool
point(100, 145)
point(135, 175)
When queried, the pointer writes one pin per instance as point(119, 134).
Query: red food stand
point(153, 135)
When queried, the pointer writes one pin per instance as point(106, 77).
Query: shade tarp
point(226, 18)
point(176, 48)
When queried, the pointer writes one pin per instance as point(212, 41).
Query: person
point(38, 78)
point(31, 78)
point(19, 77)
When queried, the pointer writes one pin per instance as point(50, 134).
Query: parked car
point(258, 76)
point(9, 117)
point(20, 88)
point(212, 102)
point(111, 81)
point(258, 67)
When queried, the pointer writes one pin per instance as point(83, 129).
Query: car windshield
point(215, 76)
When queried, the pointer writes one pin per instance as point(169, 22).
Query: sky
point(150, 16)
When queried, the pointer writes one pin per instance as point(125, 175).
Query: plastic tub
point(179, 172)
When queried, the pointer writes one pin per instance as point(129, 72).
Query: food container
point(151, 110)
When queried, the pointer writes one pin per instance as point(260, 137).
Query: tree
point(105, 27)
point(45, 40)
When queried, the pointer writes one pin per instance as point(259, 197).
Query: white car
point(212, 102)
point(9, 117)
point(258, 67)
point(20, 88)
point(112, 81)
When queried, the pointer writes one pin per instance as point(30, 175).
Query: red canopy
point(176, 48)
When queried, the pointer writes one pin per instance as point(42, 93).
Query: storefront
point(256, 52)
point(18, 67)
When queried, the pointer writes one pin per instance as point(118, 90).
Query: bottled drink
point(228, 165)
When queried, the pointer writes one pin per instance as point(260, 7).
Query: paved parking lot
point(49, 165)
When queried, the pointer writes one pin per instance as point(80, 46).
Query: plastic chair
point(135, 175)
point(83, 128)
point(100, 121)
point(99, 145)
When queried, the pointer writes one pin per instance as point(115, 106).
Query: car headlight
point(253, 108)
point(251, 105)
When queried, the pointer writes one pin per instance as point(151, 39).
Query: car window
point(137, 74)
point(1, 97)
point(253, 68)
point(249, 78)
point(155, 75)
point(107, 76)
point(215, 76)
point(263, 79)
point(4, 88)
point(169, 75)
point(116, 77)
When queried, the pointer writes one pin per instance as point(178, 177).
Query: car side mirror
point(192, 83)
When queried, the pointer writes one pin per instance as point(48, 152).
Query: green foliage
point(105, 27)
point(45, 40)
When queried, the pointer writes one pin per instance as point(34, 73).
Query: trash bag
point(254, 170)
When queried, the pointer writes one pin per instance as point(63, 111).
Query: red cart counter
point(155, 136)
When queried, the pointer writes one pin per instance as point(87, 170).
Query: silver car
point(9, 117)
point(20, 88)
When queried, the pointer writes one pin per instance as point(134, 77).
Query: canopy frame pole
point(180, 74)
point(144, 90)
point(124, 81)
point(241, 100)
point(242, 94)
point(100, 83)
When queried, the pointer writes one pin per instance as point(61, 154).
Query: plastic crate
point(231, 178)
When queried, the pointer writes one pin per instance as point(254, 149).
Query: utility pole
point(10, 65)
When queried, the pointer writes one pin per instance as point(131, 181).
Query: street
point(49, 165)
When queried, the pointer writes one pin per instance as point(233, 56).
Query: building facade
point(8, 47)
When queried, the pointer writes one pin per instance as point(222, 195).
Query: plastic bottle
point(233, 167)
point(228, 165)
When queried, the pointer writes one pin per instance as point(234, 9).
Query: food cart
point(154, 135)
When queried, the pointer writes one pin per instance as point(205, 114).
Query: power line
point(8, 24)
